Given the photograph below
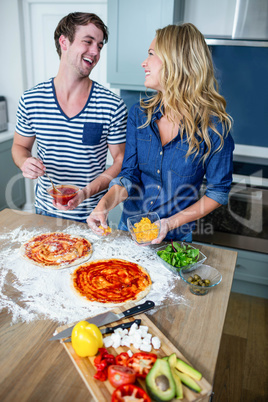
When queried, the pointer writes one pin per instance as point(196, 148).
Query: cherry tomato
point(119, 375)
point(122, 359)
point(135, 393)
point(142, 363)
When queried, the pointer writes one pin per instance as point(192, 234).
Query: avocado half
point(159, 382)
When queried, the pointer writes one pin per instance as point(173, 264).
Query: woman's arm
point(129, 175)
point(110, 200)
point(196, 211)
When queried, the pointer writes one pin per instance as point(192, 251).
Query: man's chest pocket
point(92, 133)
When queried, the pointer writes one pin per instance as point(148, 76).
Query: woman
point(174, 139)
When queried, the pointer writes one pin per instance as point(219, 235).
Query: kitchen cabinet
point(132, 26)
point(251, 274)
point(12, 185)
point(214, 18)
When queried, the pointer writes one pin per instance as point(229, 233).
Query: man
point(74, 120)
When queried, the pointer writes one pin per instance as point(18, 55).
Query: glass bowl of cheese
point(144, 227)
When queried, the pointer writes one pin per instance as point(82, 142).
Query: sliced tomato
point(130, 392)
point(119, 375)
point(122, 359)
point(142, 363)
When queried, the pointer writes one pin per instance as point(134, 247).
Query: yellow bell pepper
point(86, 339)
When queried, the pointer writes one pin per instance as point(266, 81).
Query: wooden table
point(33, 369)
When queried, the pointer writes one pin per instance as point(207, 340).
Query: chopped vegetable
point(119, 375)
point(160, 384)
point(102, 362)
point(86, 339)
point(142, 363)
point(130, 392)
point(122, 359)
point(178, 255)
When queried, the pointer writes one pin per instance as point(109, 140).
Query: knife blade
point(109, 330)
point(107, 318)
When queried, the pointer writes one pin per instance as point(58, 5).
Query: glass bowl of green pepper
point(178, 255)
point(201, 280)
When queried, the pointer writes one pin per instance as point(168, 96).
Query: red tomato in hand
point(134, 393)
point(120, 375)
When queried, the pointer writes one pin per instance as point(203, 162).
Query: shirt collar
point(158, 113)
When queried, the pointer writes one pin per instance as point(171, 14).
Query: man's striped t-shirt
point(73, 150)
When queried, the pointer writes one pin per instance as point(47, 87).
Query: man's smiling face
point(84, 53)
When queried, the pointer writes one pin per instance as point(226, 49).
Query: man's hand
point(33, 168)
point(73, 203)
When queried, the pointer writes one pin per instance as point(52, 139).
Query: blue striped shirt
point(74, 150)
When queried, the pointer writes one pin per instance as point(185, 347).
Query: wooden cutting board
point(102, 391)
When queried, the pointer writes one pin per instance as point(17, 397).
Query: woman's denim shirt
point(161, 179)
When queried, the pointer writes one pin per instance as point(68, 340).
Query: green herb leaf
point(184, 254)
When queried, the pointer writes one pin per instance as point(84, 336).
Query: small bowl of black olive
point(201, 280)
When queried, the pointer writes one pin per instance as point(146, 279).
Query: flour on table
point(39, 293)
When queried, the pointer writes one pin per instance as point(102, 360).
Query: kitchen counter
point(33, 369)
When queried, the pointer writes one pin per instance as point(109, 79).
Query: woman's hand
point(163, 232)
point(98, 217)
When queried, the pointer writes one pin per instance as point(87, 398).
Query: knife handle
point(123, 326)
point(139, 309)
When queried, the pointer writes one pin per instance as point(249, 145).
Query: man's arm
point(102, 181)
point(22, 156)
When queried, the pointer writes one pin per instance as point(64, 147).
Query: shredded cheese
point(145, 230)
point(106, 231)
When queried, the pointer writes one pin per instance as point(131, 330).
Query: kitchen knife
point(109, 330)
point(107, 318)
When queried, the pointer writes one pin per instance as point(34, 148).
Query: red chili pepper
point(101, 366)
point(101, 362)
point(110, 359)
point(122, 359)
point(101, 375)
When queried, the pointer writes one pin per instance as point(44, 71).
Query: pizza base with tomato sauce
point(56, 250)
point(111, 282)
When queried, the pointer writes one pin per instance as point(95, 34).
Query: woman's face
point(152, 67)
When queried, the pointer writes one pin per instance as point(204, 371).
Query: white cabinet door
point(40, 21)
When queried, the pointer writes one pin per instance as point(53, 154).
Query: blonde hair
point(191, 94)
